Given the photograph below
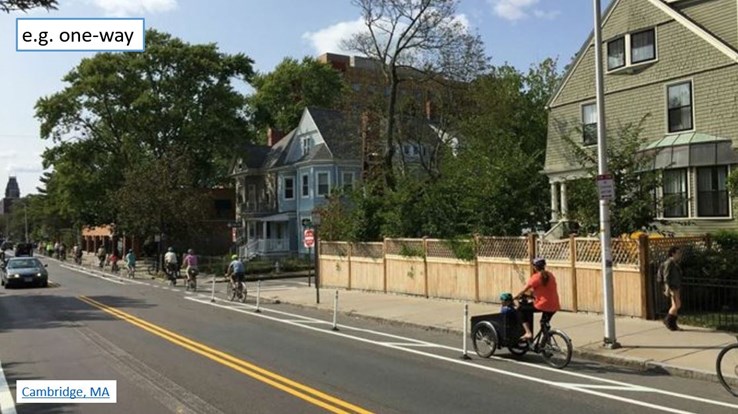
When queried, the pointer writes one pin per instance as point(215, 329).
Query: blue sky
point(518, 32)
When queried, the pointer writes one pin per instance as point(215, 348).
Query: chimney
point(429, 109)
point(273, 136)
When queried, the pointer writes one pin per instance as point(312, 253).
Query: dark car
point(24, 271)
point(23, 249)
point(6, 245)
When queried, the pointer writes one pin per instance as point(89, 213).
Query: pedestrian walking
point(670, 274)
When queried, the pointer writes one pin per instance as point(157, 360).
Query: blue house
point(279, 184)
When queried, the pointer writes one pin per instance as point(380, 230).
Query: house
point(677, 61)
point(279, 185)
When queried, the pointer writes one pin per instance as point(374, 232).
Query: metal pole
point(607, 285)
point(317, 264)
point(465, 322)
point(258, 295)
point(335, 311)
point(212, 297)
point(25, 212)
point(310, 252)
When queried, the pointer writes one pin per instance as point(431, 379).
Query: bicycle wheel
point(484, 339)
point(557, 349)
point(151, 269)
point(242, 296)
point(727, 368)
point(520, 349)
point(230, 292)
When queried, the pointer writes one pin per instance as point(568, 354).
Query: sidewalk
point(646, 345)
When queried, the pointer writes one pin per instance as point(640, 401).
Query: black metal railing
point(707, 301)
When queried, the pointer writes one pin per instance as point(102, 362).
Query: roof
point(675, 140)
point(340, 131)
point(709, 37)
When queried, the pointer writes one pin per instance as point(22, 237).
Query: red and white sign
point(309, 238)
point(234, 234)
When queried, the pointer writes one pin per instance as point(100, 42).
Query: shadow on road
point(15, 371)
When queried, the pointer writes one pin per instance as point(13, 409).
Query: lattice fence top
point(507, 247)
point(440, 248)
point(588, 250)
point(625, 251)
point(558, 250)
point(372, 250)
point(658, 249)
point(334, 248)
point(405, 247)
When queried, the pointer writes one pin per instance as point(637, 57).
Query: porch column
point(264, 230)
point(564, 201)
point(554, 202)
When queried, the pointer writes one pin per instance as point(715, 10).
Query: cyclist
point(545, 292)
point(131, 263)
point(237, 272)
point(170, 263)
point(114, 262)
point(101, 255)
point(190, 265)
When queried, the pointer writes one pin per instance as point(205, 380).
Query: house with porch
point(279, 184)
point(677, 62)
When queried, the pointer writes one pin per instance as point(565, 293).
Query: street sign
point(309, 238)
point(234, 234)
point(233, 224)
point(306, 222)
point(606, 187)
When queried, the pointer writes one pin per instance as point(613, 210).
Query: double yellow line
point(287, 385)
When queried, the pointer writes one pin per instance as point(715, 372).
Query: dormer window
point(307, 143)
point(631, 50)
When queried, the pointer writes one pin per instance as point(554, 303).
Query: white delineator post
point(258, 296)
point(607, 284)
point(335, 311)
point(212, 297)
point(465, 324)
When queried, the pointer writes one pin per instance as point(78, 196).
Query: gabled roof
point(340, 131)
point(665, 7)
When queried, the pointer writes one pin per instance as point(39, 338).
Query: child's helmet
point(504, 297)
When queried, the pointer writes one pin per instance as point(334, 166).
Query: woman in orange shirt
point(546, 294)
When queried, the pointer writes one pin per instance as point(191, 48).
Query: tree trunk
point(389, 173)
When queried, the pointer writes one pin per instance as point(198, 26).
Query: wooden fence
point(492, 265)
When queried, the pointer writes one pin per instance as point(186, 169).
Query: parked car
point(23, 249)
point(23, 271)
point(6, 245)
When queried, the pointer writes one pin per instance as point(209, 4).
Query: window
point(675, 193)
point(589, 124)
point(712, 194)
point(306, 144)
point(252, 196)
point(616, 53)
point(289, 188)
point(410, 150)
point(323, 186)
point(642, 46)
point(305, 186)
point(679, 101)
point(348, 181)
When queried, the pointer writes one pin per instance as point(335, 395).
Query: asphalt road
point(172, 351)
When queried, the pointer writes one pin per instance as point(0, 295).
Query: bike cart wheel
point(557, 349)
point(727, 368)
point(484, 339)
point(520, 349)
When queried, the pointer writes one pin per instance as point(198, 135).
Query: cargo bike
point(503, 330)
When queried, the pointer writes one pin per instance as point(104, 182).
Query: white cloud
point(8, 154)
point(134, 7)
point(461, 18)
point(13, 169)
point(329, 39)
point(519, 9)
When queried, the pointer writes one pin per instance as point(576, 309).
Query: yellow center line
point(297, 389)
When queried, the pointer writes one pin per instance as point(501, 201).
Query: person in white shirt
point(170, 263)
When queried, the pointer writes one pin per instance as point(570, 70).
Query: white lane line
point(605, 387)
point(88, 273)
point(408, 344)
point(7, 406)
point(503, 372)
point(304, 321)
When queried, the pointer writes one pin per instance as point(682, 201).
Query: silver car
point(24, 271)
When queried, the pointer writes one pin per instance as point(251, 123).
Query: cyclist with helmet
point(190, 264)
point(546, 297)
point(130, 260)
point(170, 263)
point(236, 271)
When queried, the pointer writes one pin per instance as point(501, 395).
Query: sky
point(515, 32)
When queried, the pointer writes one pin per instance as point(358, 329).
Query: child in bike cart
point(546, 297)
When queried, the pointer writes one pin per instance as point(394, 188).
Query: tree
point(124, 111)
point(25, 5)
point(634, 206)
point(415, 39)
point(282, 95)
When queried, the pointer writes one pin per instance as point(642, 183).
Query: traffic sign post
point(606, 187)
point(308, 241)
point(234, 234)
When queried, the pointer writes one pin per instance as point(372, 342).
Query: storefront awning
point(690, 150)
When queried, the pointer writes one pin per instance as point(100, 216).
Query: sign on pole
point(606, 187)
point(309, 238)
point(234, 234)
point(233, 224)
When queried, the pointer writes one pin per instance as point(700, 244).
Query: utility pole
point(25, 213)
point(607, 285)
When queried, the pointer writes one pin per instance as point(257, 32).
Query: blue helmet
point(504, 297)
point(539, 263)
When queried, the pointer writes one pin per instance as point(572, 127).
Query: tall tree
point(282, 94)
point(25, 5)
point(415, 39)
point(123, 110)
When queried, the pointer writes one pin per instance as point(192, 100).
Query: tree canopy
point(121, 113)
point(25, 5)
